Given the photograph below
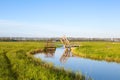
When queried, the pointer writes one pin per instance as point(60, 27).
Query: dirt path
point(6, 72)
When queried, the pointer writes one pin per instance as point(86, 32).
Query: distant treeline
point(57, 39)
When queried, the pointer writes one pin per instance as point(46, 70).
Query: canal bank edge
point(79, 54)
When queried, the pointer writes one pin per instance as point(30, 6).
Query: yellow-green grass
point(109, 51)
point(16, 63)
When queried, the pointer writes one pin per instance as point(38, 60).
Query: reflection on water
point(49, 52)
point(67, 53)
point(98, 70)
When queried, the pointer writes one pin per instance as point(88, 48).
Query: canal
point(97, 70)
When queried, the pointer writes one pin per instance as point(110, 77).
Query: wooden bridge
point(50, 46)
point(66, 43)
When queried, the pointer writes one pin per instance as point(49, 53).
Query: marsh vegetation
point(109, 51)
point(16, 63)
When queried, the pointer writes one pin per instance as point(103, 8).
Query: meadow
point(109, 51)
point(17, 63)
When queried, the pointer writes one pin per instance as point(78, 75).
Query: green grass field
point(16, 63)
point(109, 51)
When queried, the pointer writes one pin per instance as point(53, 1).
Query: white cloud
point(14, 28)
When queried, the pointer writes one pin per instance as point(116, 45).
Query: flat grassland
point(16, 63)
point(109, 51)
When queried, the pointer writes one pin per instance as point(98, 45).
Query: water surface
point(97, 70)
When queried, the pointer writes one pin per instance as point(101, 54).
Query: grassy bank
point(16, 63)
point(109, 51)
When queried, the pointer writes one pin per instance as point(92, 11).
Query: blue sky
point(55, 18)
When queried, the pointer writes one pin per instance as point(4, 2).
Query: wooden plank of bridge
point(50, 46)
point(66, 42)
